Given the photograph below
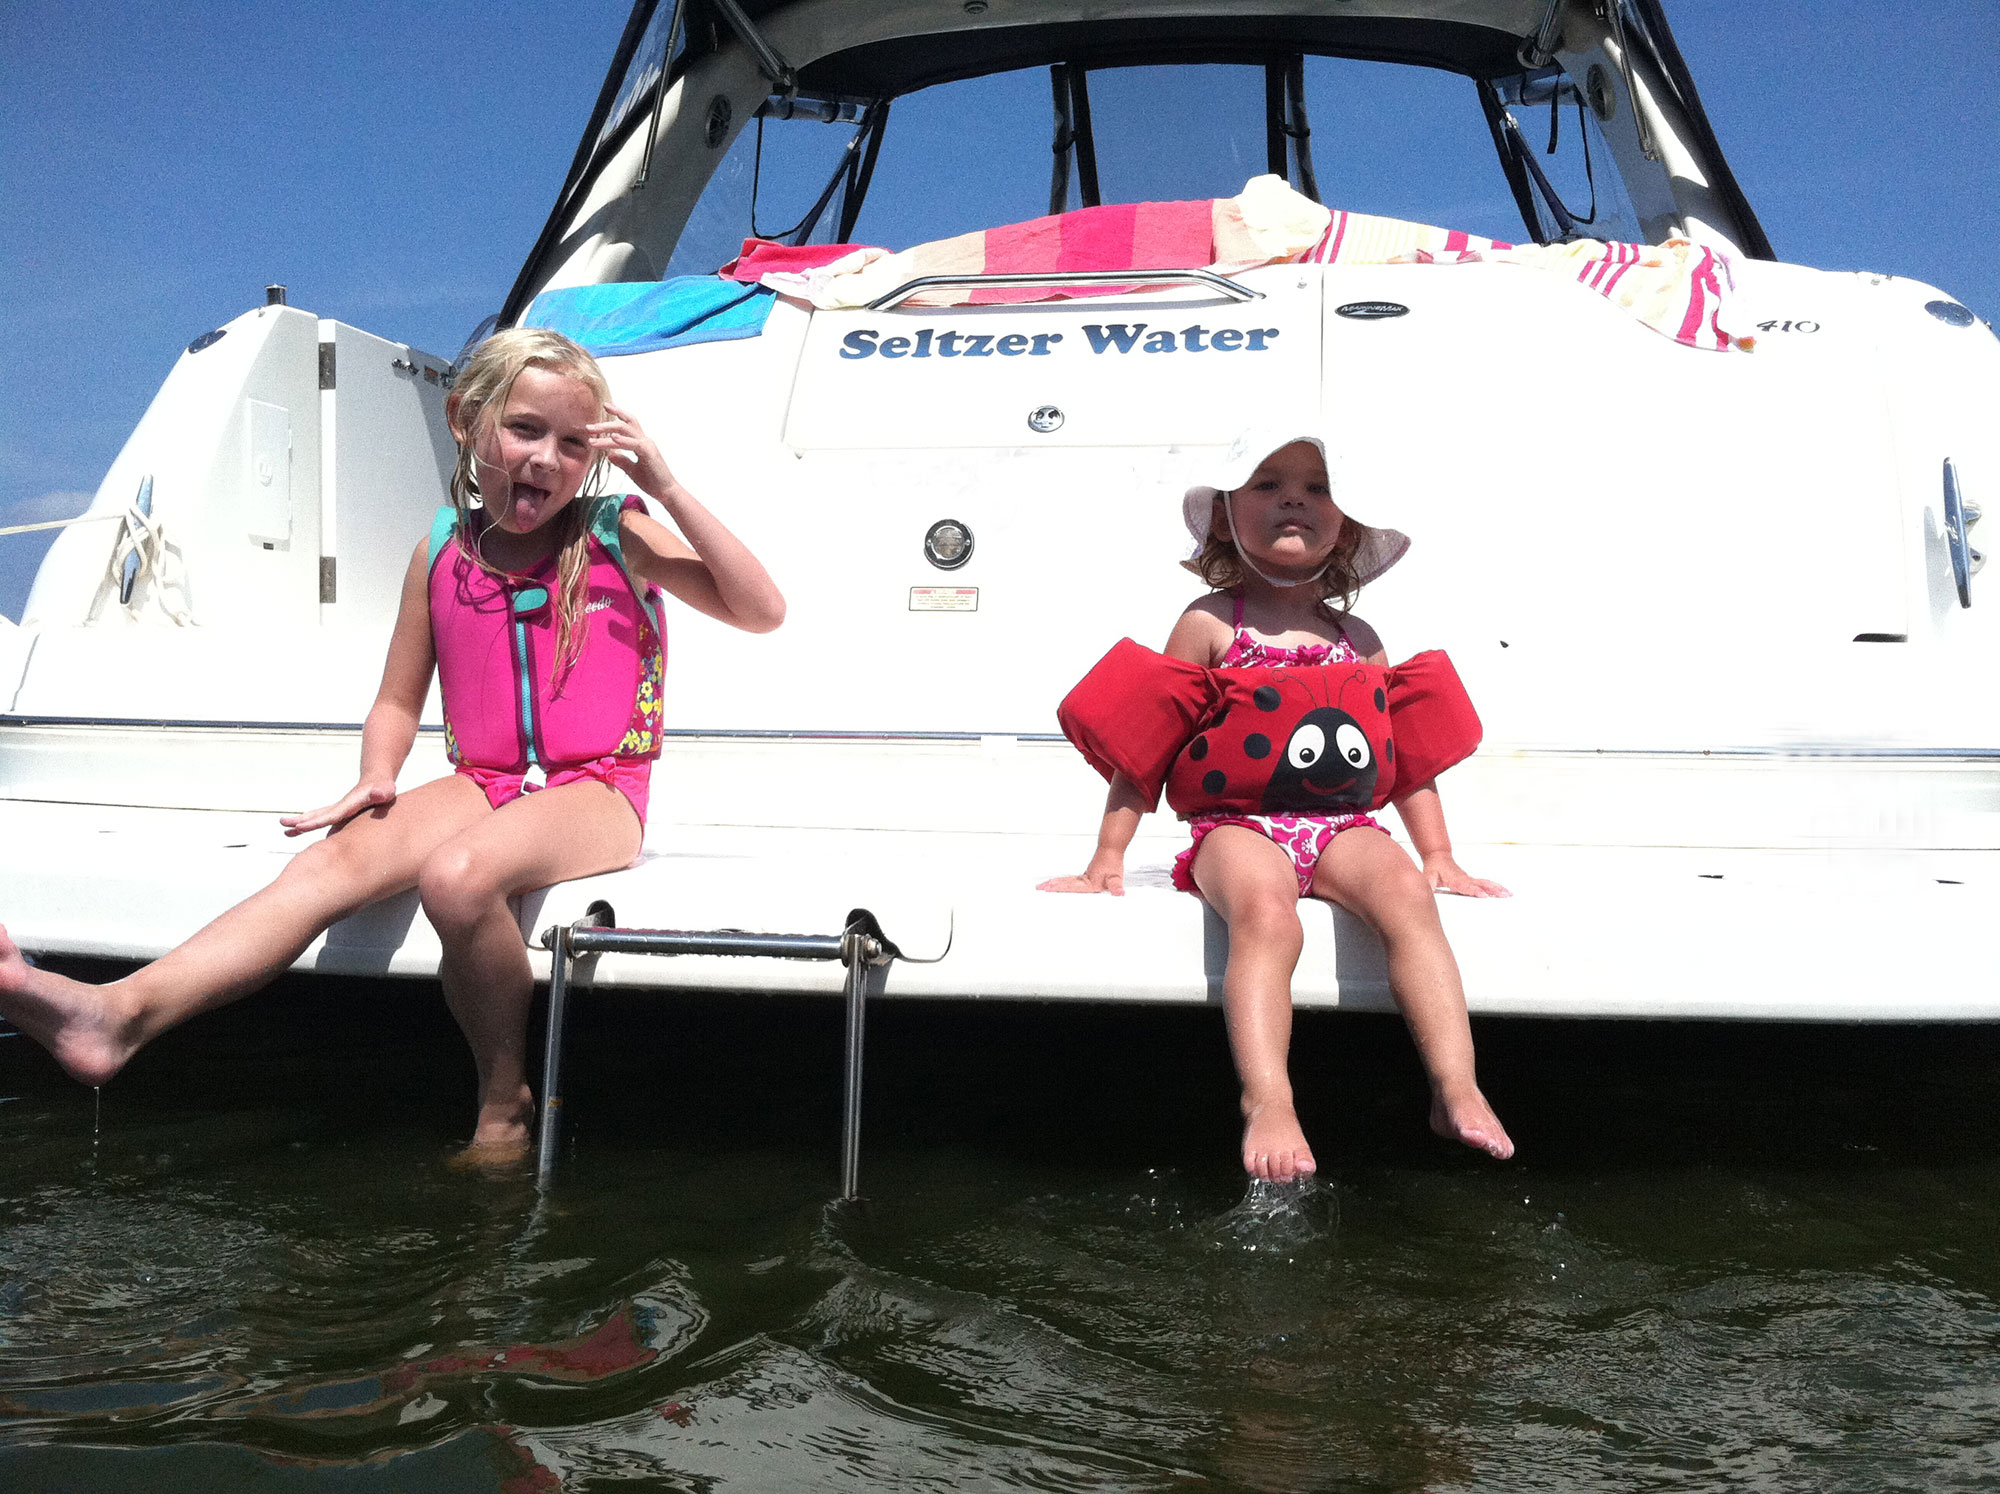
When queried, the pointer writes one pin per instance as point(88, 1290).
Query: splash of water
point(1279, 1220)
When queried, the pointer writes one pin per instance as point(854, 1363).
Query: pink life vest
point(495, 638)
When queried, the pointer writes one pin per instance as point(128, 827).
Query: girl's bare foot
point(81, 1025)
point(478, 1156)
point(1468, 1118)
point(1274, 1148)
point(504, 1131)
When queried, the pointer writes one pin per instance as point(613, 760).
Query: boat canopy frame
point(876, 72)
point(1073, 149)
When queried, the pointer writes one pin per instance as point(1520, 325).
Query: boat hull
point(1879, 907)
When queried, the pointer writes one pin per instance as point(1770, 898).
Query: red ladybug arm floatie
point(1319, 739)
point(1135, 711)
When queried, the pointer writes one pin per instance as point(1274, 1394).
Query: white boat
point(1720, 608)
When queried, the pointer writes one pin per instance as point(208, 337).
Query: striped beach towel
point(1265, 223)
point(1680, 289)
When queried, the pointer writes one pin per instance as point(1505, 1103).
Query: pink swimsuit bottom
point(1303, 837)
point(631, 776)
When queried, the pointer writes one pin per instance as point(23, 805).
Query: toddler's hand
point(1446, 875)
point(625, 443)
point(1113, 883)
point(377, 794)
point(1099, 876)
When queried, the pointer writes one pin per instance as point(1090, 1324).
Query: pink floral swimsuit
point(1303, 837)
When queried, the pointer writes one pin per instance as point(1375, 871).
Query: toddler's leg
point(555, 835)
point(1368, 874)
point(93, 1030)
point(1253, 888)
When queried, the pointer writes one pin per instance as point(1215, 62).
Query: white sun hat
point(1379, 548)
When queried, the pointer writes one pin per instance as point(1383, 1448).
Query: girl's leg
point(93, 1030)
point(1369, 875)
point(554, 835)
point(1253, 888)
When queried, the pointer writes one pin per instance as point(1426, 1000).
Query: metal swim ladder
point(860, 946)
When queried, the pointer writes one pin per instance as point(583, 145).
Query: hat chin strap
point(1228, 502)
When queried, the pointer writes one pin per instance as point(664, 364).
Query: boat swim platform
point(1743, 932)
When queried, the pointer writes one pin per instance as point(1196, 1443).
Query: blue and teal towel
point(646, 316)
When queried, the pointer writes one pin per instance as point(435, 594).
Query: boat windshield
point(1390, 139)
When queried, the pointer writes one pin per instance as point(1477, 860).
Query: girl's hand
point(378, 793)
point(1446, 875)
point(1104, 874)
point(621, 439)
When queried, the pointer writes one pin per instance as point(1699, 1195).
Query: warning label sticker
point(944, 599)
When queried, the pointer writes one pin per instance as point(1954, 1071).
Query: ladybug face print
point(1294, 740)
point(1326, 762)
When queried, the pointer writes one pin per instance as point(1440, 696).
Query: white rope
point(147, 540)
point(141, 537)
point(59, 523)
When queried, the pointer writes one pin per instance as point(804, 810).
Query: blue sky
point(392, 164)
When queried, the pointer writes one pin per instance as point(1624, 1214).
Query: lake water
point(1726, 1258)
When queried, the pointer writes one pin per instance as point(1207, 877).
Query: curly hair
point(478, 398)
point(1218, 563)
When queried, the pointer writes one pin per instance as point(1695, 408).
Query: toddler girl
point(1285, 563)
point(538, 609)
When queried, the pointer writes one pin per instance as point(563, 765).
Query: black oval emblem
point(1371, 311)
point(207, 340)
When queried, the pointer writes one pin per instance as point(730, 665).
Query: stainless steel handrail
point(1206, 278)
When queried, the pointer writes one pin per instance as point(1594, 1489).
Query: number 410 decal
point(1787, 326)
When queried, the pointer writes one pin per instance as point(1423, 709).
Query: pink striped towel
point(1679, 289)
point(1264, 224)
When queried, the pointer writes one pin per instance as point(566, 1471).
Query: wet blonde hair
point(1218, 563)
point(479, 396)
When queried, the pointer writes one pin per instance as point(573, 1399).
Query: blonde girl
point(539, 795)
point(1285, 563)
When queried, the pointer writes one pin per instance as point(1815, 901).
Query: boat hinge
point(328, 581)
point(326, 365)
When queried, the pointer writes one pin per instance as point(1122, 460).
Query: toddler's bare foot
point(1468, 1118)
point(1274, 1148)
point(79, 1024)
